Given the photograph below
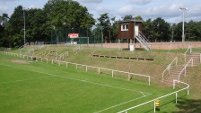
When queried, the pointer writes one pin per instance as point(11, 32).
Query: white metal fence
point(154, 100)
point(99, 70)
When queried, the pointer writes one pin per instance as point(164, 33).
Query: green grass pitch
point(35, 87)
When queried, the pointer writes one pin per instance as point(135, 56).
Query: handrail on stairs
point(185, 67)
point(169, 66)
point(143, 40)
point(200, 57)
point(188, 50)
point(143, 36)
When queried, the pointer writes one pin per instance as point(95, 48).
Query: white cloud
point(8, 1)
point(141, 2)
point(33, 6)
point(100, 9)
point(163, 10)
point(126, 10)
point(3, 9)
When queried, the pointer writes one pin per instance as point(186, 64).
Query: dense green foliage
point(56, 14)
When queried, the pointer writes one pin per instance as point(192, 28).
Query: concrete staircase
point(179, 72)
point(143, 41)
point(196, 58)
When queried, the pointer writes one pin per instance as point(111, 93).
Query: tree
point(36, 25)
point(16, 24)
point(3, 30)
point(178, 32)
point(114, 31)
point(130, 17)
point(138, 18)
point(162, 30)
point(147, 29)
point(105, 25)
point(127, 17)
point(68, 14)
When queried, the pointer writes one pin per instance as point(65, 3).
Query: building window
point(124, 27)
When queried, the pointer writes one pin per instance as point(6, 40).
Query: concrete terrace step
point(174, 73)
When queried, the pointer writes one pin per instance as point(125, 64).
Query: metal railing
point(77, 48)
point(99, 69)
point(62, 55)
point(184, 70)
point(189, 50)
point(143, 41)
point(169, 66)
point(176, 92)
point(200, 57)
point(143, 36)
point(59, 62)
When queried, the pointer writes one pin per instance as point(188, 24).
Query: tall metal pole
point(24, 26)
point(183, 34)
point(101, 36)
point(172, 32)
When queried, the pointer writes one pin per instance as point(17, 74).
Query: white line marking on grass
point(81, 80)
point(22, 80)
point(122, 103)
point(144, 94)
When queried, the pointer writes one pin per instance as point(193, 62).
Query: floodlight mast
point(183, 34)
point(24, 26)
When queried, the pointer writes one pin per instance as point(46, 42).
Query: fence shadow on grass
point(189, 106)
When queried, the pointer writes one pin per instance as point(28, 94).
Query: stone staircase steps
point(174, 73)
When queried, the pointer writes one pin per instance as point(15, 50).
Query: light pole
point(183, 35)
point(101, 36)
point(24, 25)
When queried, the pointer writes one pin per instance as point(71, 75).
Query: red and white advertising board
point(73, 35)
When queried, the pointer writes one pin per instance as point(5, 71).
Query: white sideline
point(99, 68)
point(121, 104)
point(144, 94)
point(81, 80)
point(22, 80)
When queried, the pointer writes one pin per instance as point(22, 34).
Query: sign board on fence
point(73, 35)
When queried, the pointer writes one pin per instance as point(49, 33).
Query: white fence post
point(86, 68)
point(188, 91)
point(52, 61)
point(200, 57)
point(174, 84)
point(149, 80)
point(98, 70)
point(185, 72)
point(129, 76)
point(112, 73)
point(154, 106)
point(176, 97)
point(66, 64)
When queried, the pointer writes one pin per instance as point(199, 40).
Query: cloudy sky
point(166, 9)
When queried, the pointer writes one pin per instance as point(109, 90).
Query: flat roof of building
point(127, 21)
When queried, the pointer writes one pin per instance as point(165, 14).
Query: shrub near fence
point(99, 70)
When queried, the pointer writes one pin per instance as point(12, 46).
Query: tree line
point(64, 14)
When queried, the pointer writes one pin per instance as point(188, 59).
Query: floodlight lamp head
point(182, 8)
